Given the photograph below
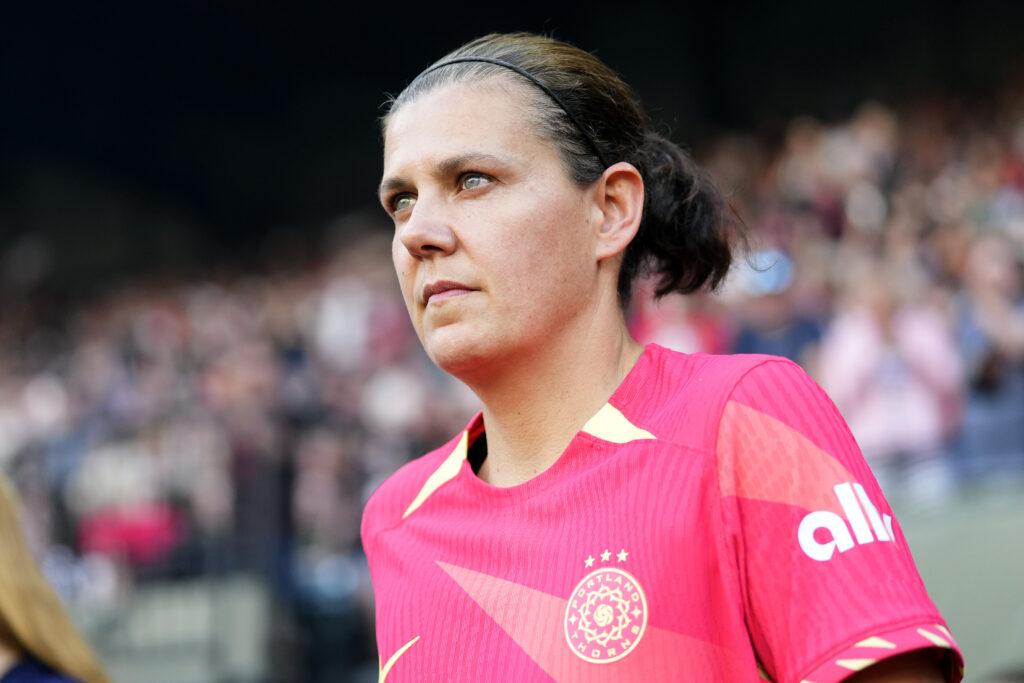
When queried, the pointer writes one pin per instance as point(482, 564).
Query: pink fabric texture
point(718, 523)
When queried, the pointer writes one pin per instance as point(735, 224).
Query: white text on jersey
point(863, 518)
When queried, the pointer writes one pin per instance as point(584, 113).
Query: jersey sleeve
point(828, 582)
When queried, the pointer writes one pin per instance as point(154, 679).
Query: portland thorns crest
point(607, 612)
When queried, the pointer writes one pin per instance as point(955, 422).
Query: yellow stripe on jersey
point(383, 671)
point(935, 639)
point(609, 424)
point(855, 664)
point(875, 641)
point(448, 470)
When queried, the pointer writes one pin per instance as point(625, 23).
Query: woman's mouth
point(443, 290)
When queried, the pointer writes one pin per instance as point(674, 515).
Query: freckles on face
point(484, 206)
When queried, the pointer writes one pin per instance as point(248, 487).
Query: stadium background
point(204, 368)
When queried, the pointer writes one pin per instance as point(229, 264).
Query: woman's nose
point(427, 231)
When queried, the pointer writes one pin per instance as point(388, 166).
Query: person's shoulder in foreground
point(30, 670)
point(38, 639)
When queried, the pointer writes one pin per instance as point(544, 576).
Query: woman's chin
point(455, 358)
point(462, 357)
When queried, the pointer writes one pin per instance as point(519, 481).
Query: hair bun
point(683, 236)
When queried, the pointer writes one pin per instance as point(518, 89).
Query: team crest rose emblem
point(607, 613)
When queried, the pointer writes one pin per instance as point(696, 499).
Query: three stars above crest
point(606, 556)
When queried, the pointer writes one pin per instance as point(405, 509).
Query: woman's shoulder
point(30, 670)
point(717, 373)
point(682, 397)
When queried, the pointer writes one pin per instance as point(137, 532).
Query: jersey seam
point(736, 383)
point(739, 572)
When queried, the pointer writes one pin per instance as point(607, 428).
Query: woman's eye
point(471, 181)
point(402, 202)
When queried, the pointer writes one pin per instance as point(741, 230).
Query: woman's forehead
point(459, 118)
point(500, 86)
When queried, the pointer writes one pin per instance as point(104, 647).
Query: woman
point(38, 642)
point(614, 513)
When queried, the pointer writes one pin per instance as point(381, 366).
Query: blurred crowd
point(176, 429)
point(181, 427)
point(888, 263)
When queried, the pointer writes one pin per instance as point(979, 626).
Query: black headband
point(533, 79)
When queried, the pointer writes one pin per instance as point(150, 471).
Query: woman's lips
point(440, 291)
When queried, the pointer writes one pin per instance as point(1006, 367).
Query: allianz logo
point(863, 524)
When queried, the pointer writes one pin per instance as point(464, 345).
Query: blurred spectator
point(771, 319)
point(892, 368)
point(683, 323)
point(990, 318)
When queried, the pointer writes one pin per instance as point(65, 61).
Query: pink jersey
point(714, 521)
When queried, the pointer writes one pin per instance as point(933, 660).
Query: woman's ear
point(620, 197)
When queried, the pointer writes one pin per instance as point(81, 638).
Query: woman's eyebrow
point(453, 164)
point(389, 184)
point(444, 168)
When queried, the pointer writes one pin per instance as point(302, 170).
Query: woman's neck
point(539, 405)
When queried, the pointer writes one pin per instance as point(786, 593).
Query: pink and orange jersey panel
point(714, 521)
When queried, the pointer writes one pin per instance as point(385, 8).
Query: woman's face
point(494, 243)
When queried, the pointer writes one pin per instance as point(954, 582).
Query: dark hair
point(684, 238)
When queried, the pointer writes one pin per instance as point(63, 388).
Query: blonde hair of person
point(32, 618)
